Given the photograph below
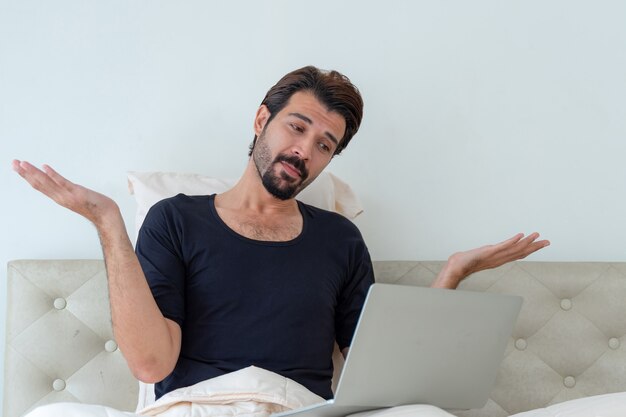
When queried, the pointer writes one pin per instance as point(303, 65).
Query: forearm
point(150, 343)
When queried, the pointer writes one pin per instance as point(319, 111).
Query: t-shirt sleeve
point(160, 254)
point(353, 296)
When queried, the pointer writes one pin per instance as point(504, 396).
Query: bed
point(569, 341)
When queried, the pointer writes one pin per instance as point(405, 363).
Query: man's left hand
point(462, 264)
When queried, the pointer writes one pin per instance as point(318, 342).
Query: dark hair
point(332, 88)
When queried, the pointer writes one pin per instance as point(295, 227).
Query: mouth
point(291, 170)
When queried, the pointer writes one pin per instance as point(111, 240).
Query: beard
point(281, 186)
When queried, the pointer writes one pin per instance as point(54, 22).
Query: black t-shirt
point(241, 302)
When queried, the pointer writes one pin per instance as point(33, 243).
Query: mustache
point(296, 162)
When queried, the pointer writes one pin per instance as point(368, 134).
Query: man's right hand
point(150, 342)
point(94, 206)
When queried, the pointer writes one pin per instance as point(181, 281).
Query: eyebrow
point(309, 121)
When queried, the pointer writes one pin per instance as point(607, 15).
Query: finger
point(56, 177)
point(522, 244)
point(531, 244)
point(506, 244)
point(522, 248)
point(522, 252)
point(512, 240)
point(540, 244)
point(531, 237)
point(15, 165)
point(38, 179)
point(26, 170)
point(19, 166)
point(503, 247)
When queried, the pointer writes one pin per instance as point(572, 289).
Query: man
point(250, 276)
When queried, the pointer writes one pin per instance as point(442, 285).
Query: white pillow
point(326, 192)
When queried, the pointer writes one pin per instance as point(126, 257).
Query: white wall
point(482, 118)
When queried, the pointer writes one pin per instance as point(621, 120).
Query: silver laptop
point(416, 345)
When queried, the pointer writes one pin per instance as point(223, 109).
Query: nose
point(303, 148)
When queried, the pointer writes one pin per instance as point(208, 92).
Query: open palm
point(88, 203)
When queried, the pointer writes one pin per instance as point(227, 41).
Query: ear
point(260, 120)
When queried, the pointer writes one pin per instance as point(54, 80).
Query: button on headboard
point(59, 344)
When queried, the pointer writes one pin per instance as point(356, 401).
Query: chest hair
point(263, 228)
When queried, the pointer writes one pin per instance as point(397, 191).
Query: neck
point(250, 195)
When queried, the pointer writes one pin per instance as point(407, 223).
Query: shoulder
point(180, 201)
point(180, 205)
point(329, 220)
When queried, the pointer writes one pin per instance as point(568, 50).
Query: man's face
point(294, 148)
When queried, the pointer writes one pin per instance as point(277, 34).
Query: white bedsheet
point(250, 392)
point(607, 405)
point(255, 392)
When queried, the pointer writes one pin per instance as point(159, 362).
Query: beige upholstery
point(59, 342)
point(569, 341)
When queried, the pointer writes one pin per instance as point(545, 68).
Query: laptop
point(417, 345)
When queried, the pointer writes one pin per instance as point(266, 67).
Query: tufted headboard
point(59, 342)
point(569, 342)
